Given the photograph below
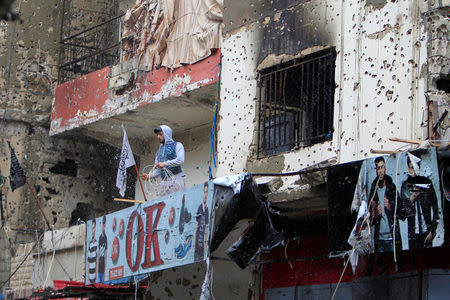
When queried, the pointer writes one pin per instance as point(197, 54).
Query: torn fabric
point(266, 232)
point(17, 176)
point(206, 286)
point(232, 181)
point(171, 33)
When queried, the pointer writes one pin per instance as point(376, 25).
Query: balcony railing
point(90, 50)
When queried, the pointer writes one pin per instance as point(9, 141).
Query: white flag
point(126, 160)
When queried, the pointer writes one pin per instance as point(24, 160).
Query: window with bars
point(296, 103)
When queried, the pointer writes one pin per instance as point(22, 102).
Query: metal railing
point(90, 49)
point(296, 103)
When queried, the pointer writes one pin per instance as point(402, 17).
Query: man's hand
point(428, 238)
point(145, 176)
point(386, 203)
point(160, 165)
point(378, 209)
point(413, 196)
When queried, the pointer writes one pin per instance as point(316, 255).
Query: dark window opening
point(443, 84)
point(296, 103)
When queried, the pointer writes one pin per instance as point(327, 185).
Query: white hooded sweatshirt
point(179, 149)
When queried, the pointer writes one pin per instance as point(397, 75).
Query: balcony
point(98, 91)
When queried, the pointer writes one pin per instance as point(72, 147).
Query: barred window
point(296, 103)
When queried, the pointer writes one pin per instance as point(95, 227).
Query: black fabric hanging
point(16, 174)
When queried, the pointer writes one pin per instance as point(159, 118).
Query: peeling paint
point(97, 103)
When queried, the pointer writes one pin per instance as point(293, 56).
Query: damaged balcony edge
point(91, 98)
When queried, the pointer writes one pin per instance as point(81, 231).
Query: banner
point(126, 161)
point(167, 232)
point(397, 199)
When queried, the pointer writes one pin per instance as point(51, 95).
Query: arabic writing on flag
point(126, 161)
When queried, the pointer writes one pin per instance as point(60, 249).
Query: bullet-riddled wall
point(64, 171)
point(381, 59)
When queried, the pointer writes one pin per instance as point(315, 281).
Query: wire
point(51, 262)
point(285, 255)
point(20, 265)
point(342, 274)
point(300, 172)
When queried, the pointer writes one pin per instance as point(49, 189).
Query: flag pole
point(38, 203)
point(140, 182)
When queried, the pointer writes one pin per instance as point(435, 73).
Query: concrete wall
point(68, 262)
point(65, 170)
point(196, 146)
point(380, 86)
point(20, 283)
point(57, 255)
point(437, 64)
point(386, 55)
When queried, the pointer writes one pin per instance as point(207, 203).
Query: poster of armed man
point(167, 232)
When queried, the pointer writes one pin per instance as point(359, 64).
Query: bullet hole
point(52, 191)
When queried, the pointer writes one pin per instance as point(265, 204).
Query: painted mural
point(167, 232)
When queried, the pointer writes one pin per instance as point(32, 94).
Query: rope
point(213, 131)
point(342, 274)
point(51, 262)
point(365, 220)
point(212, 152)
point(285, 255)
point(2, 185)
point(395, 209)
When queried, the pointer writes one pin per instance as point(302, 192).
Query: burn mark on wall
point(67, 167)
point(128, 86)
point(83, 212)
point(238, 13)
point(377, 4)
point(292, 31)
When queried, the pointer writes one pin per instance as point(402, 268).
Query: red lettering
point(116, 273)
point(152, 236)
point(140, 241)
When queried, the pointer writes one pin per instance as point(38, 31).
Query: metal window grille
point(296, 103)
point(85, 48)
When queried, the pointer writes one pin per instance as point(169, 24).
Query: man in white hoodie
point(169, 161)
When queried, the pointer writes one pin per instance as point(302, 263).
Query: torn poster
point(398, 201)
point(266, 232)
point(402, 201)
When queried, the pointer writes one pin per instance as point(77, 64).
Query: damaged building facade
point(269, 87)
point(317, 83)
point(66, 173)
